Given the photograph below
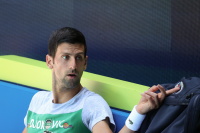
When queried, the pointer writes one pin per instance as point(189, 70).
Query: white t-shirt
point(92, 106)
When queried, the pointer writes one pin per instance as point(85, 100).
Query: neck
point(62, 95)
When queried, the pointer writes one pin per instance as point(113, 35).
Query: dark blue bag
point(179, 112)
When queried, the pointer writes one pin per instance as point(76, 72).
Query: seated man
point(69, 107)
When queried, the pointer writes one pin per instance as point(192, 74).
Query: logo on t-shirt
point(66, 125)
point(40, 124)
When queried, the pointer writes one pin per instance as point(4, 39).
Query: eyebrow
point(65, 53)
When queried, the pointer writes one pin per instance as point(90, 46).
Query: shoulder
point(96, 104)
point(96, 99)
point(91, 96)
point(92, 99)
point(41, 94)
point(39, 98)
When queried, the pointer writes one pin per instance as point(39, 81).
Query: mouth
point(72, 75)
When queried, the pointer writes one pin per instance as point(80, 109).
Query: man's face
point(68, 65)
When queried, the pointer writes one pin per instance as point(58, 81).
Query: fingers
point(162, 90)
point(168, 92)
point(157, 97)
point(152, 99)
point(162, 93)
point(153, 88)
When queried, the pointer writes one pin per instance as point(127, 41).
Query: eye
point(65, 57)
point(79, 57)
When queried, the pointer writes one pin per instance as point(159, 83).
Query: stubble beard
point(67, 84)
point(70, 84)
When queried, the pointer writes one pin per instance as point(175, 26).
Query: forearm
point(24, 131)
point(133, 122)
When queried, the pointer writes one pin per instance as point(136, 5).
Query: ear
point(49, 61)
point(86, 62)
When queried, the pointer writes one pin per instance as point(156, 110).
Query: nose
point(72, 64)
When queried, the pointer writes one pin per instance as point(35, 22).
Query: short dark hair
point(68, 35)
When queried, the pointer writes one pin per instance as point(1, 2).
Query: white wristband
point(134, 120)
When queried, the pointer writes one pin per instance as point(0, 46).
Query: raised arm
point(149, 101)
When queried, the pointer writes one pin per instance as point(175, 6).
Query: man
point(71, 107)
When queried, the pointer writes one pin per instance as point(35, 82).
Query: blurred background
point(145, 41)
